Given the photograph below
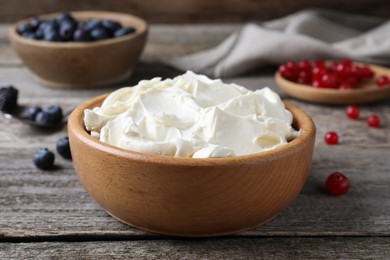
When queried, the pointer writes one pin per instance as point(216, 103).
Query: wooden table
point(48, 213)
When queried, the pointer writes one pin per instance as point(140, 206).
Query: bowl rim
point(141, 28)
point(307, 131)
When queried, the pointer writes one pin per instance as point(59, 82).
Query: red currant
point(283, 70)
point(318, 73)
point(346, 62)
point(331, 138)
point(304, 77)
point(304, 65)
point(373, 120)
point(292, 66)
point(353, 112)
point(343, 72)
point(289, 71)
point(319, 64)
point(333, 66)
point(328, 81)
point(337, 184)
point(382, 81)
point(366, 72)
point(355, 72)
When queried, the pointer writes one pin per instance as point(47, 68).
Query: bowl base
point(194, 235)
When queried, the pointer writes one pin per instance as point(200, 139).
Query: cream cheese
point(191, 116)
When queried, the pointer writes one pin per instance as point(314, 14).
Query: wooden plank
point(53, 204)
point(176, 11)
point(267, 248)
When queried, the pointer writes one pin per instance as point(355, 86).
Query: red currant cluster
point(342, 74)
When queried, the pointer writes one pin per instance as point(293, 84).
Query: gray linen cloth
point(308, 34)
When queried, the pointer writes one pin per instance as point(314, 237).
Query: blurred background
point(191, 11)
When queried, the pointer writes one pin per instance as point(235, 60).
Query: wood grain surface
point(38, 206)
point(190, 11)
point(239, 248)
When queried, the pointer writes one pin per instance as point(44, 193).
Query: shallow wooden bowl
point(83, 64)
point(191, 197)
point(366, 93)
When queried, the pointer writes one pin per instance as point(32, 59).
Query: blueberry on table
point(8, 99)
point(49, 115)
point(44, 159)
point(31, 112)
point(124, 31)
point(111, 25)
point(63, 148)
point(81, 35)
point(42, 118)
point(100, 33)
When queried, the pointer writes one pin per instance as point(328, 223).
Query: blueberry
point(8, 99)
point(38, 35)
point(48, 25)
point(63, 148)
point(92, 24)
point(66, 30)
point(31, 35)
point(51, 36)
point(65, 16)
point(44, 159)
point(100, 33)
point(56, 111)
point(49, 115)
point(31, 112)
point(81, 35)
point(25, 28)
point(42, 118)
point(124, 31)
point(111, 25)
point(36, 22)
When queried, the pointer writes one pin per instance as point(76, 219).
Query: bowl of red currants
point(80, 49)
point(340, 82)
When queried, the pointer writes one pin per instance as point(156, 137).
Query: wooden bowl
point(366, 93)
point(191, 197)
point(83, 64)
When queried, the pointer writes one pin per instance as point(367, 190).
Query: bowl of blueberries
point(80, 49)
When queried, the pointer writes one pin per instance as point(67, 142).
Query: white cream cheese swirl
point(191, 116)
